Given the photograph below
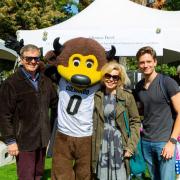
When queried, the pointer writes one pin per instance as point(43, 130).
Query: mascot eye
point(76, 61)
point(89, 63)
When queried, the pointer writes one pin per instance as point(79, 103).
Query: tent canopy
point(122, 23)
point(170, 56)
point(7, 54)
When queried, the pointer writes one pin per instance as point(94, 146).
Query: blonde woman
point(111, 147)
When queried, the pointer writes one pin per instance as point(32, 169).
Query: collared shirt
point(34, 80)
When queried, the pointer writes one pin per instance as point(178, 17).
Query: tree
point(66, 7)
point(83, 4)
point(142, 2)
point(169, 5)
point(173, 5)
point(29, 14)
point(168, 69)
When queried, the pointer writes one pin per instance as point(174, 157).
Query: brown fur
point(83, 46)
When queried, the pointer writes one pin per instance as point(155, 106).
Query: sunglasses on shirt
point(114, 77)
point(29, 58)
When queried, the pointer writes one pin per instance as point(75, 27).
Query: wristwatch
point(173, 140)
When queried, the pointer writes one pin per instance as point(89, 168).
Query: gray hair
point(29, 47)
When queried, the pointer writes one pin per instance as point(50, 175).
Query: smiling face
point(111, 80)
point(30, 60)
point(147, 64)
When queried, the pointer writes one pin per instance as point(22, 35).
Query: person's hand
point(127, 154)
point(13, 149)
point(168, 150)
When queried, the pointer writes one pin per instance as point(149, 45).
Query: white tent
point(122, 23)
point(7, 54)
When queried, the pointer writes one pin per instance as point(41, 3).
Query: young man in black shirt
point(160, 130)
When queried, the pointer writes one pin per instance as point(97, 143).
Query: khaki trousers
point(71, 158)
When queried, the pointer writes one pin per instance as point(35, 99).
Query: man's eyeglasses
point(29, 58)
point(114, 77)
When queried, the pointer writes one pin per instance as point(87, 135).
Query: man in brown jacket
point(26, 97)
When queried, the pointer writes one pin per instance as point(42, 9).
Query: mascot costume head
point(79, 60)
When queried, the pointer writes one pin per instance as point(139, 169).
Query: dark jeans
point(159, 168)
point(30, 164)
point(68, 150)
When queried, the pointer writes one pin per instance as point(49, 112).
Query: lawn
point(8, 172)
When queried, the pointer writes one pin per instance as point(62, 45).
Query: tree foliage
point(83, 4)
point(66, 7)
point(172, 5)
point(168, 69)
point(29, 14)
point(169, 5)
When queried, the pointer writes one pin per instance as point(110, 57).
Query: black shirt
point(158, 122)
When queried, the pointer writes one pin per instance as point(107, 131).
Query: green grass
point(8, 172)
point(47, 172)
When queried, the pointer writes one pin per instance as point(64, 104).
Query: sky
point(74, 8)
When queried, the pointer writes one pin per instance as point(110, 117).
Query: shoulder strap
point(163, 88)
point(125, 119)
point(166, 95)
point(126, 123)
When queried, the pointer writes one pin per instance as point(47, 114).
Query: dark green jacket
point(123, 97)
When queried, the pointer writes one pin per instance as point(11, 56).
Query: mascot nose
point(80, 80)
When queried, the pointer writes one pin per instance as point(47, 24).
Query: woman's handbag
point(136, 162)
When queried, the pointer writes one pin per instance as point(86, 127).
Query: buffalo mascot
point(76, 67)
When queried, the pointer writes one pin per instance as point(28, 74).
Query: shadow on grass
point(144, 176)
point(47, 174)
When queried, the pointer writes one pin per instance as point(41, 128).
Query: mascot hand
point(12, 43)
point(52, 73)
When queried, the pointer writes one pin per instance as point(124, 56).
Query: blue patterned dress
point(110, 164)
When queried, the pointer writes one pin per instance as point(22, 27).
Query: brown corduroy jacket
point(125, 101)
point(24, 111)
